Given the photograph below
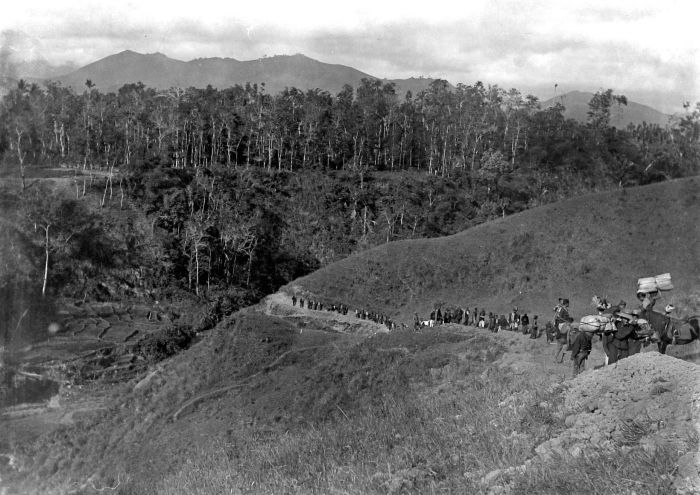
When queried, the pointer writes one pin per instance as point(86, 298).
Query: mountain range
point(278, 72)
point(576, 105)
point(159, 71)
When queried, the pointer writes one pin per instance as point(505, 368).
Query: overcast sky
point(647, 50)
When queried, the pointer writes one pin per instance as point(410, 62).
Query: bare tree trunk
point(121, 190)
point(104, 194)
point(21, 157)
point(196, 266)
point(46, 262)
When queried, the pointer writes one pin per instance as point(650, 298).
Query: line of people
point(343, 309)
point(618, 342)
point(514, 321)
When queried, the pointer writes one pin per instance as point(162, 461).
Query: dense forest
point(229, 193)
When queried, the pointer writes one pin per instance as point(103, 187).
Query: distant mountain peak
point(277, 72)
point(576, 107)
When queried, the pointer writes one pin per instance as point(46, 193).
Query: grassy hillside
point(596, 244)
point(272, 404)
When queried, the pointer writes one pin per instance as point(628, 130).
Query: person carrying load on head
point(647, 300)
point(649, 288)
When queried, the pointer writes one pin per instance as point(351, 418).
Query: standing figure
point(492, 322)
point(562, 314)
point(580, 349)
point(626, 331)
point(502, 323)
point(525, 324)
point(550, 333)
point(534, 333)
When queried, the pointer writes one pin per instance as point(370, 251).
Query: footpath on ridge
point(645, 400)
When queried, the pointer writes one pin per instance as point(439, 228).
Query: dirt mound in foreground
point(645, 400)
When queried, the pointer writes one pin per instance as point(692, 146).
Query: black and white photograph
point(363, 248)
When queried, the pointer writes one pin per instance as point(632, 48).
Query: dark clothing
point(625, 332)
point(582, 343)
point(534, 333)
point(580, 349)
point(619, 342)
point(525, 324)
point(635, 346)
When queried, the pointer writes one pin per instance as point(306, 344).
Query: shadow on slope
point(595, 244)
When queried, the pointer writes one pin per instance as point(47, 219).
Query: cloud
point(642, 44)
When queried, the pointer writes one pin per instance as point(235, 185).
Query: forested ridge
point(236, 191)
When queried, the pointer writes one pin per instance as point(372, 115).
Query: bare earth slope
point(595, 244)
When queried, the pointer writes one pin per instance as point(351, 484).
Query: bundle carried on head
point(654, 284)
